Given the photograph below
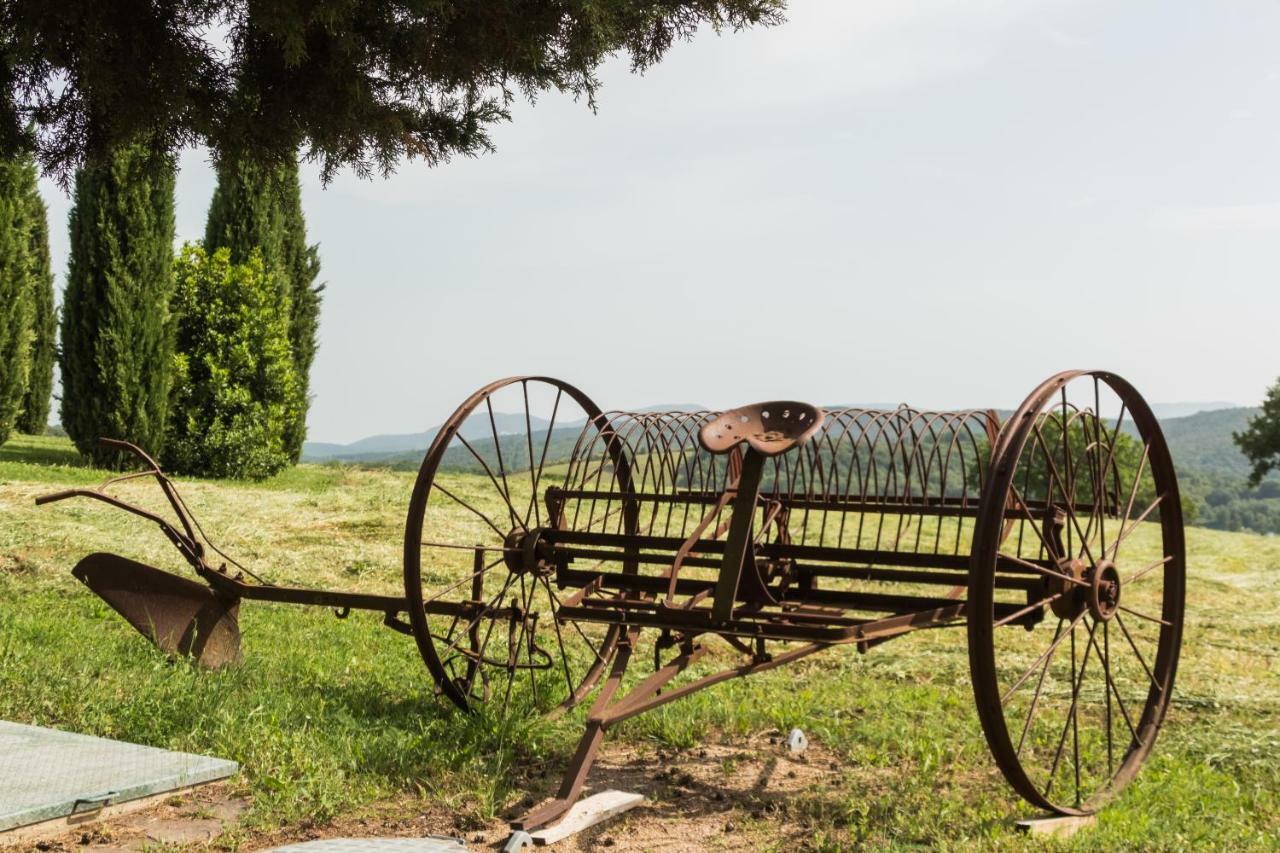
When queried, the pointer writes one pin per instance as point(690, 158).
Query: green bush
point(234, 391)
point(257, 207)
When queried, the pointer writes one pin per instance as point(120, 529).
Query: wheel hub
point(1069, 602)
point(1095, 588)
point(527, 552)
point(1104, 591)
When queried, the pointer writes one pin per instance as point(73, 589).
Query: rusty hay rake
point(546, 539)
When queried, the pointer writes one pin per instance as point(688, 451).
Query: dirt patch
point(193, 819)
point(716, 797)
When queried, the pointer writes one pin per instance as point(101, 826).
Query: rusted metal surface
point(178, 615)
point(551, 546)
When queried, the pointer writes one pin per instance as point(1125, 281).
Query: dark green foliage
point(244, 215)
point(117, 336)
point(258, 208)
point(301, 263)
point(1261, 441)
point(44, 321)
point(15, 297)
point(234, 389)
point(360, 82)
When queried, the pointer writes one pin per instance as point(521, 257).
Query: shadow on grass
point(42, 450)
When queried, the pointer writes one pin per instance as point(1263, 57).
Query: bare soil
point(714, 797)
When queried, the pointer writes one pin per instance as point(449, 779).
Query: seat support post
point(738, 546)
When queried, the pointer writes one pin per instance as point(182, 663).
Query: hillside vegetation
point(1214, 474)
point(335, 723)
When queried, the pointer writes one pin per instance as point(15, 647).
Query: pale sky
point(933, 202)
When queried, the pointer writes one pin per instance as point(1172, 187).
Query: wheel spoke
point(564, 654)
point(1075, 703)
point(1035, 699)
point(468, 506)
point(1138, 654)
point(1071, 713)
point(1106, 671)
point(469, 577)
point(595, 650)
point(1013, 617)
point(1133, 495)
point(1100, 484)
point(542, 460)
point(1004, 700)
point(502, 490)
point(1141, 572)
point(1022, 505)
point(1113, 690)
point(1142, 615)
point(1050, 572)
point(527, 625)
point(1067, 496)
point(497, 449)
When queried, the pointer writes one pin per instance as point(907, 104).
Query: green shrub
point(234, 390)
point(257, 207)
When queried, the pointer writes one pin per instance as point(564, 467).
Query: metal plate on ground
point(46, 774)
point(434, 844)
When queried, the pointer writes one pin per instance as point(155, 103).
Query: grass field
point(331, 720)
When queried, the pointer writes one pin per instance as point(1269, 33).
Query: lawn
point(333, 719)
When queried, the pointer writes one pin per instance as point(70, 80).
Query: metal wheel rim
point(981, 628)
point(414, 592)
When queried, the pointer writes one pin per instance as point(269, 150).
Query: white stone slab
point(1058, 826)
point(587, 813)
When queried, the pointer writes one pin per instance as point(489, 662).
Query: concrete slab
point(431, 844)
point(47, 775)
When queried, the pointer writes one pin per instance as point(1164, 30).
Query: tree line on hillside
point(201, 359)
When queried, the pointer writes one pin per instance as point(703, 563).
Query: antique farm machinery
point(546, 540)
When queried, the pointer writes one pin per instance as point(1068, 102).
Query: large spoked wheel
point(1072, 687)
point(479, 579)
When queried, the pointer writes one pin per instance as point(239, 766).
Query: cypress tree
point(302, 262)
point(117, 336)
point(15, 298)
point(44, 323)
point(257, 207)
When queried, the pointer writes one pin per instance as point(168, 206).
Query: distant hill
point(1213, 473)
point(401, 448)
point(1165, 411)
point(379, 448)
point(1203, 441)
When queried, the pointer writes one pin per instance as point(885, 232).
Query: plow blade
point(179, 616)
